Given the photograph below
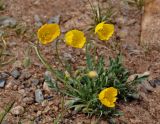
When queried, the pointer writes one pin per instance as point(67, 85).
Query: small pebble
point(4, 75)
point(155, 82)
point(39, 96)
point(2, 83)
point(7, 21)
point(15, 73)
point(146, 87)
point(18, 110)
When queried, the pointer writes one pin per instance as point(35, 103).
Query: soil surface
point(150, 24)
point(22, 82)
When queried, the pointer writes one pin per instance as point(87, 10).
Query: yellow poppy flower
point(75, 38)
point(48, 33)
point(104, 31)
point(108, 96)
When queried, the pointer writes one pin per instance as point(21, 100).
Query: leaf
point(118, 113)
point(26, 62)
point(78, 108)
point(89, 60)
point(138, 76)
point(71, 102)
point(51, 82)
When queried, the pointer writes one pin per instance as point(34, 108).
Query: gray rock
point(4, 75)
point(7, 21)
point(15, 73)
point(155, 82)
point(2, 83)
point(18, 110)
point(67, 56)
point(39, 96)
point(146, 87)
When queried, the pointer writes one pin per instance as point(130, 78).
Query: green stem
point(58, 54)
point(7, 109)
point(45, 63)
point(93, 9)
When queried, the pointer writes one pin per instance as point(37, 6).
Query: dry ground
point(76, 14)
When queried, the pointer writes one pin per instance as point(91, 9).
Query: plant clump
point(96, 88)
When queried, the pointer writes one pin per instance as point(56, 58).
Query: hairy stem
point(46, 64)
point(58, 54)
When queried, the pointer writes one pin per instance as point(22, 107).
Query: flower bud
point(92, 74)
point(67, 75)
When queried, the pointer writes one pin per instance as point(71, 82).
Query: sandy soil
point(76, 14)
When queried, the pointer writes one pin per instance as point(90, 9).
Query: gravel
point(39, 96)
point(18, 110)
point(7, 21)
point(26, 75)
point(28, 100)
point(15, 73)
point(4, 75)
point(2, 83)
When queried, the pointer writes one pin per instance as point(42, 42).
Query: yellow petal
point(99, 27)
point(113, 99)
point(108, 103)
point(101, 95)
point(112, 91)
point(75, 38)
point(48, 33)
point(108, 96)
point(104, 31)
